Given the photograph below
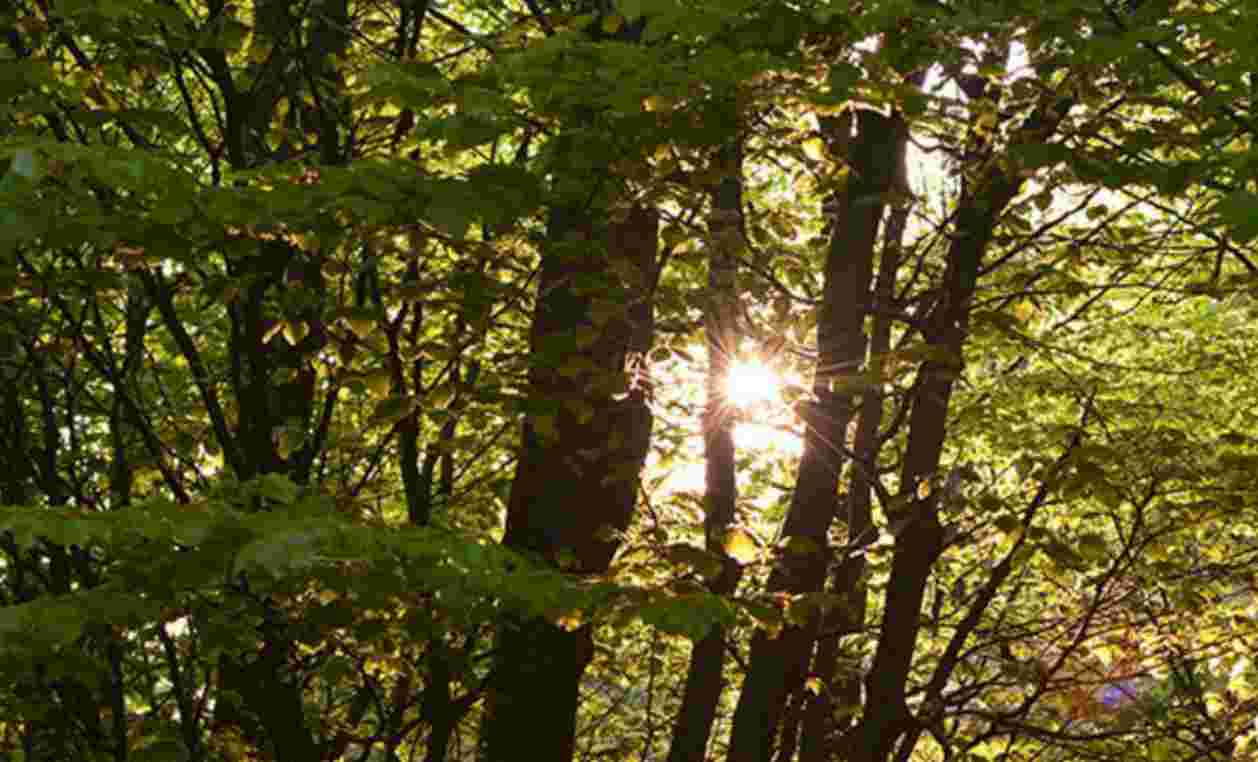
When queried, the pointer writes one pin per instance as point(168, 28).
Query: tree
point(346, 348)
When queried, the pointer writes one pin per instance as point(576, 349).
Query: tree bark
point(704, 677)
point(584, 443)
point(919, 542)
point(778, 664)
point(847, 578)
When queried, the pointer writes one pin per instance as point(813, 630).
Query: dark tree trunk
point(778, 664)
point(270, 711)
point(886, 718)
point(839, 694)
point(704, 682)
point(262, 693)
point(584, 443)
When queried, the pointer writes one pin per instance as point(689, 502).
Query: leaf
point(1092, 545)
point(448, 217)
point(391, 410)
point(360, 325)
point(378, 382)
point(277, 487)
point(24, 163)
point(545, 427)
point(741, 546)
point(796, 545)
point(163, 750)
point(700, 560)
point(570, 621)
point(1237, 211)
point(923, 489)
point(655, 103)
point(768, 617)
point(272, 331)
point(1035, 155)
point(815, 149)
point(1009, 524)
point(1062, 554)
point(295, 331)
point(673, 235)
point(692, 614)
point(613, 23)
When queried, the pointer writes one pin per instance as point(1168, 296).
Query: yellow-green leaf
point(378, 382)
point(612, 24)
point(741, 546)
point(295, 331)
point(391, 410)
point(815, 149)
point(360, 326)
point(569, 621)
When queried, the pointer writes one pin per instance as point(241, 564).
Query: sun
point(752, 383)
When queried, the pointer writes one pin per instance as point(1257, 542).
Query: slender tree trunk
point(778, 664)
point(919, 541)
point(704, 681)
point(261, 695)
point(788, 738)
point(847, 579)
point(582, 449)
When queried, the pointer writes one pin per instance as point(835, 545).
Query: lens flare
point(752, 383)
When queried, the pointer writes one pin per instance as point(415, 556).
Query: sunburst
point(751, 384)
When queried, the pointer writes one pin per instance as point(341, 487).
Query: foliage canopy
point(351, 351)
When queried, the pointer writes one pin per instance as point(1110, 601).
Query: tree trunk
point(919, 541)
point(704, 681)
point(263, 696)
point(584, 443)
point(847, 579)
point(779, 663)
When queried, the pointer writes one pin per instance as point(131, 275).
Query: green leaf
point(703, 562)
point(162, 750)
point(378, 381)
point(1009, 524)
point(1239, 211)
point(741, 546)
point(25, 163)
point(448, 217)
point(391, 410)
point(277, 487)
point(1093, 546)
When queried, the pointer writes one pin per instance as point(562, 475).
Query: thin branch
point(536, 10)
point(160, 294)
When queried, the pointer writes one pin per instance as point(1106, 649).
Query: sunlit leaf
point(741, 546)
point(815, 149)
point(379, 381)
point(923, 489)
point(570, 621)
point(361, 326)
point(295, 331)
point(391, 410)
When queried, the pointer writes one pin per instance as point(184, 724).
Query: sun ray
point(752, 383)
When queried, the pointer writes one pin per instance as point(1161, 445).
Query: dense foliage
point(354, 355)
